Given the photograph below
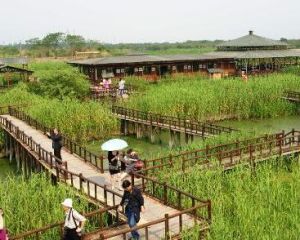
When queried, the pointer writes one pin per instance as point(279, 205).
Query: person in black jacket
point(56, 143)
point(134, 204)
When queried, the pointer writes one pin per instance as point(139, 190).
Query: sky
point(117, 21)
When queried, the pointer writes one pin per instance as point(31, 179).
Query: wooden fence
point(229, 155)
point(69, 144)
point(173, 123)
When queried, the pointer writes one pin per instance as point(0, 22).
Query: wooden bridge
point(292, 96)
point(98, 94)
point(153, 123)
point(246, 152)
point(168, 210)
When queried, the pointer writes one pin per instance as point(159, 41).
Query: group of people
point(121, 165)
point(106, 85)
point(132, 203)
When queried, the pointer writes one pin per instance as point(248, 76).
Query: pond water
point(266, 125)
point(146, 148)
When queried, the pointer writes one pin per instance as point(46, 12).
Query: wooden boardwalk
point(228, 156)
point(292, 96)
point(176, 126)
point(154, 209)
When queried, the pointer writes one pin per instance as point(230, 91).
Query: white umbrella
point(114, 145)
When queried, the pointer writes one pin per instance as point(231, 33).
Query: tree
point(62, 83)
point(75, 43)
point(53, 41)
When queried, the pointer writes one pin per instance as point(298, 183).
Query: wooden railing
point(172, 123)
point(72, 146)
point(165, 221)
point(43, 155)
point(168, 195)
point(112, 93)
point(228, 155)
point(292, 95)
point(6, 87)
point(171, 196)
point(57, 228)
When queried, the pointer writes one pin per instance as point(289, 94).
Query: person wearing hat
point(74, 222)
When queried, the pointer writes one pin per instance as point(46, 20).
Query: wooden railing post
point(101, 164)
point(280, 145)
point(167, 230)
point(209, 211)
point(80, 181)
point(165, 193)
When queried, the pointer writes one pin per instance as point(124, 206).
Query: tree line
point(65, 45)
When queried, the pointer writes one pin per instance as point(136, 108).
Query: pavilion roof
point(252, 41)
point(151, 59)
point(6, 68)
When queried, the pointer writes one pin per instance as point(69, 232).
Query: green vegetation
point(56, 44)
point(206, 99)
point(80, 121)
point(59, 80)
point(33, 203)
point(246, 206)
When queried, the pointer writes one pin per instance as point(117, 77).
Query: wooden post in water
point(152, 134)
point(171, 139)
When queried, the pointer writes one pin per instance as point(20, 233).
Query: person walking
point(134, 204)
point(130, 159)
point(74, 222)
point(121, 86)
point(56, 144)
point(113, 167)
point(3, 234)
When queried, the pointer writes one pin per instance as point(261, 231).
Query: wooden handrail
point(190, 127)
point(36, 232)
point(165, 220)
point(292, 94)
point(48, 157)
point(221, 152)
point(72, 146)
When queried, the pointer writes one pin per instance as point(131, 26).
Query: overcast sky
point(149, 21)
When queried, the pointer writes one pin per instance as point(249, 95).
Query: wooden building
point(250, 54)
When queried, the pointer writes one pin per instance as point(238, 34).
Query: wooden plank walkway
point(231, 155)
point(154, 209)
point(174, 124)
point(292, 96)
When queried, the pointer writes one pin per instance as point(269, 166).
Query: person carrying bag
point(74, 222)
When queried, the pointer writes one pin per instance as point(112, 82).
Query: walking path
point(154, 208)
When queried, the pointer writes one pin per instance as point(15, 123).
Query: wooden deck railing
point(99, 94)
point(42, 154)
point(171, 196)
point(69, 144)
point(168, 233)
point(228, 155)
point(292, 95)
point(57, 228)
point(168, 195)
point(169, 122)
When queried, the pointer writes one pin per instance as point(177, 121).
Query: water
point(147, 149)
point(266, 125)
